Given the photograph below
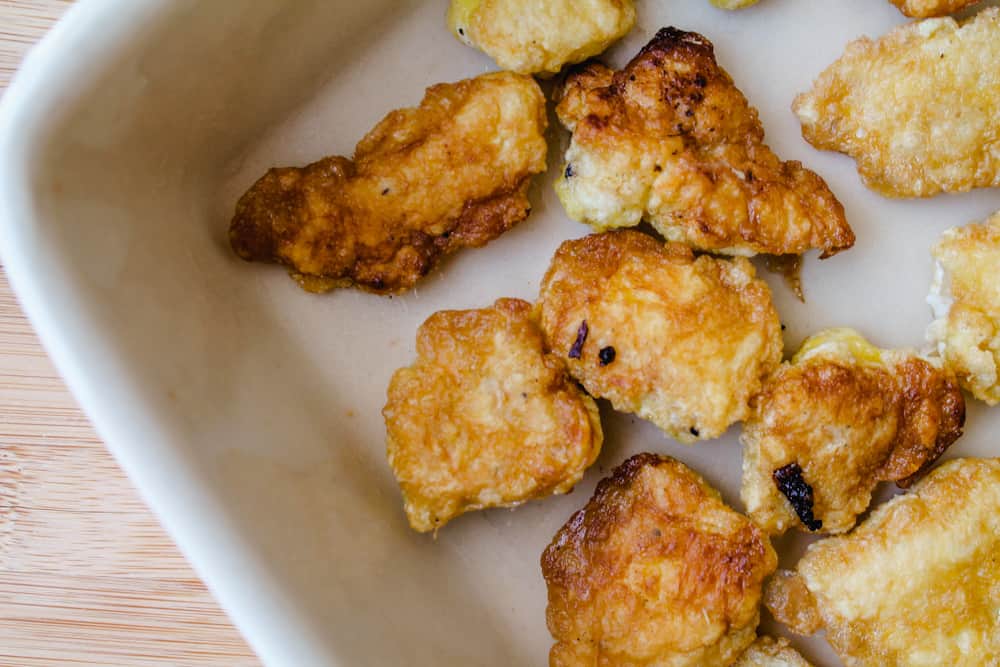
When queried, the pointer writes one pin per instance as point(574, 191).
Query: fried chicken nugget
point(965, 297)
point(654, 570)
point(540, 36)
point(425, 182)
point(922, 9)
point(918, 109)
point(485, 418)
point(916, 584)
point(734, 4)
point(671, 140)
point(767, 652)
point(679, 340)
point(840, 418)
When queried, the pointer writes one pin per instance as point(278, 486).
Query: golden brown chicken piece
point(425, 182)
point(767, 652)
point(485, 418)
point(679, 340)
point(734, 4)
point(840, 418)
point(654, 570)
point(917, 109)
point(671, 140)
point(540, 36)
point(965, 297)
point(916, 584)
point(922, 9)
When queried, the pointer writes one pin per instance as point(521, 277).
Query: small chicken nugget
point(916, 584)
point(734, 4)
point(425, 182)
point(965, 297)
point(485, 418)
point(767, 652)
point(654, 570)
point(680, 340)
point(839, 419)
point(922, 9)
point(540, 36)
point(917, 109)
point(671, 140)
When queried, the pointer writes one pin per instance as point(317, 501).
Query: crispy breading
point(768, 652)
point(790, 602)
point(540, 36)
point(690, 339)
point(917, 109)
point(849, 416)
point(966, 299)
point(425, 182)
point(485, 418)
point(654, 570)
point(922, 9)
point(916, 584)
point(670, 139)
point(734, 4)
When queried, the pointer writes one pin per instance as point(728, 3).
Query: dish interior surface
point(248, 411)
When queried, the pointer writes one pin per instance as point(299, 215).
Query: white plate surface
point(247, 411)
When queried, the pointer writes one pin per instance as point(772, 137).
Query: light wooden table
point(87, 576)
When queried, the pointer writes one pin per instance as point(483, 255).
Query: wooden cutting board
point(87, 576)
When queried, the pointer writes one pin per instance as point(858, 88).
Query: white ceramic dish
point(247, 411)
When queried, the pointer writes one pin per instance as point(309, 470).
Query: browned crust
point(790, 602)
point(589, 528)
point(928, 402)
point(271, 215)
point(424, 183)
point(893, 420)
point(922, 9)
point(662, 371)
point(933, 414)
point(601, 255)
point(699, 103)
point(485, 417)
point(653, 509)
point(591, 525)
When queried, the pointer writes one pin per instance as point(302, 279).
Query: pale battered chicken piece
point(840, 418)
point(425, 182)
point(916, 585)
point(654, 570)
point(540, 36)
point(734, 4)
point(767, 652)
point(922, 9)
point(918, 109)
point(681, 341)
point(485, 418)
point(965, 297)
point(671, 140)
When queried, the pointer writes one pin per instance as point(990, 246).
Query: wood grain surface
point(87, 576)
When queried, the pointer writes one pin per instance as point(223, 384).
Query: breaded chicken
point(916, 584)
point(767, 652)
point(540, 36)
point(425, 182)
point(918, 109)
point(965, 297)
point(485, 418)
point(734, 4)
point(670, 139)
point(922, 9)
point(840, 418)
point(681, 341)
point(654, 570)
